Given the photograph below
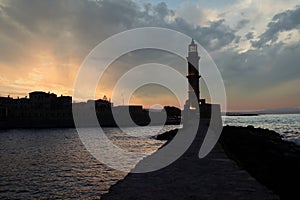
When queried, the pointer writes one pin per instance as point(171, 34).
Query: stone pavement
point(213, 177)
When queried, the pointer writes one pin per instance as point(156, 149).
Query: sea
point(54, 164)
point(287, 125)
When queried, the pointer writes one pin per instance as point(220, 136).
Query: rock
point(169, 135)
point(272, 161)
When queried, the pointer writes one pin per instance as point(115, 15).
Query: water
point(287, 125)
point(53, 163)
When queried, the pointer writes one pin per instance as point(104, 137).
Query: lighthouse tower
point(193, 76)
point(196, 108)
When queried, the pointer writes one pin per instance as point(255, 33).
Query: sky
point(255, 45)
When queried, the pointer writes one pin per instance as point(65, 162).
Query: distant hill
point(267, 111)
point(280, 111)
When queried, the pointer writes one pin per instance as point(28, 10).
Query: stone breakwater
point(272, 161)
point(263, 153)
point(213, 177)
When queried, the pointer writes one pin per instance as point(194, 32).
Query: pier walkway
point(213, 177)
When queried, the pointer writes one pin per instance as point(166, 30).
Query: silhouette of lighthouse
point(193, 76)
point(196, 108)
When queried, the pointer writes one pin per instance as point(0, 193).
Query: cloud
point(61, 33)
point(281, 22)
point(43, 42)
point(249, 35)
point(196, 13)
point(212, 37)
point(75, 26)
point(56, 35)
point(258, 72)
point(242, 23)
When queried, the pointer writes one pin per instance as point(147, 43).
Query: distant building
point(130, 115)
point(6, 100)
point(131, 108)
point(100, 105)
point(42, 100)
point(64, 102)
point(3, 112)
point(41, 109)
point(44, 109)
point(103, 104)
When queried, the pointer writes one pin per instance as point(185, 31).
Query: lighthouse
point(193, 76)
point(196, 110)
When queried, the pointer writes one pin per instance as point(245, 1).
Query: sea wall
point(213, 177)
point(266, 156)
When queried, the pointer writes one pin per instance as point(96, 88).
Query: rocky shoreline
point(263, 153)
point(266, 156)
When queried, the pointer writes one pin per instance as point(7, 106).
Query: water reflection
point(53, 163)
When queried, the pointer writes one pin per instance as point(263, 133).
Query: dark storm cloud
point(216, 36)
point(284, 21)
point(162, 10)
point(63, 26)
point(260, 70)
point(242, 23)
point(212, 37)
point(75, 26)
point(249, 35)
point(71, 28)
point(237, 39)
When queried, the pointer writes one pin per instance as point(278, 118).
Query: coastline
point(69, 123)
